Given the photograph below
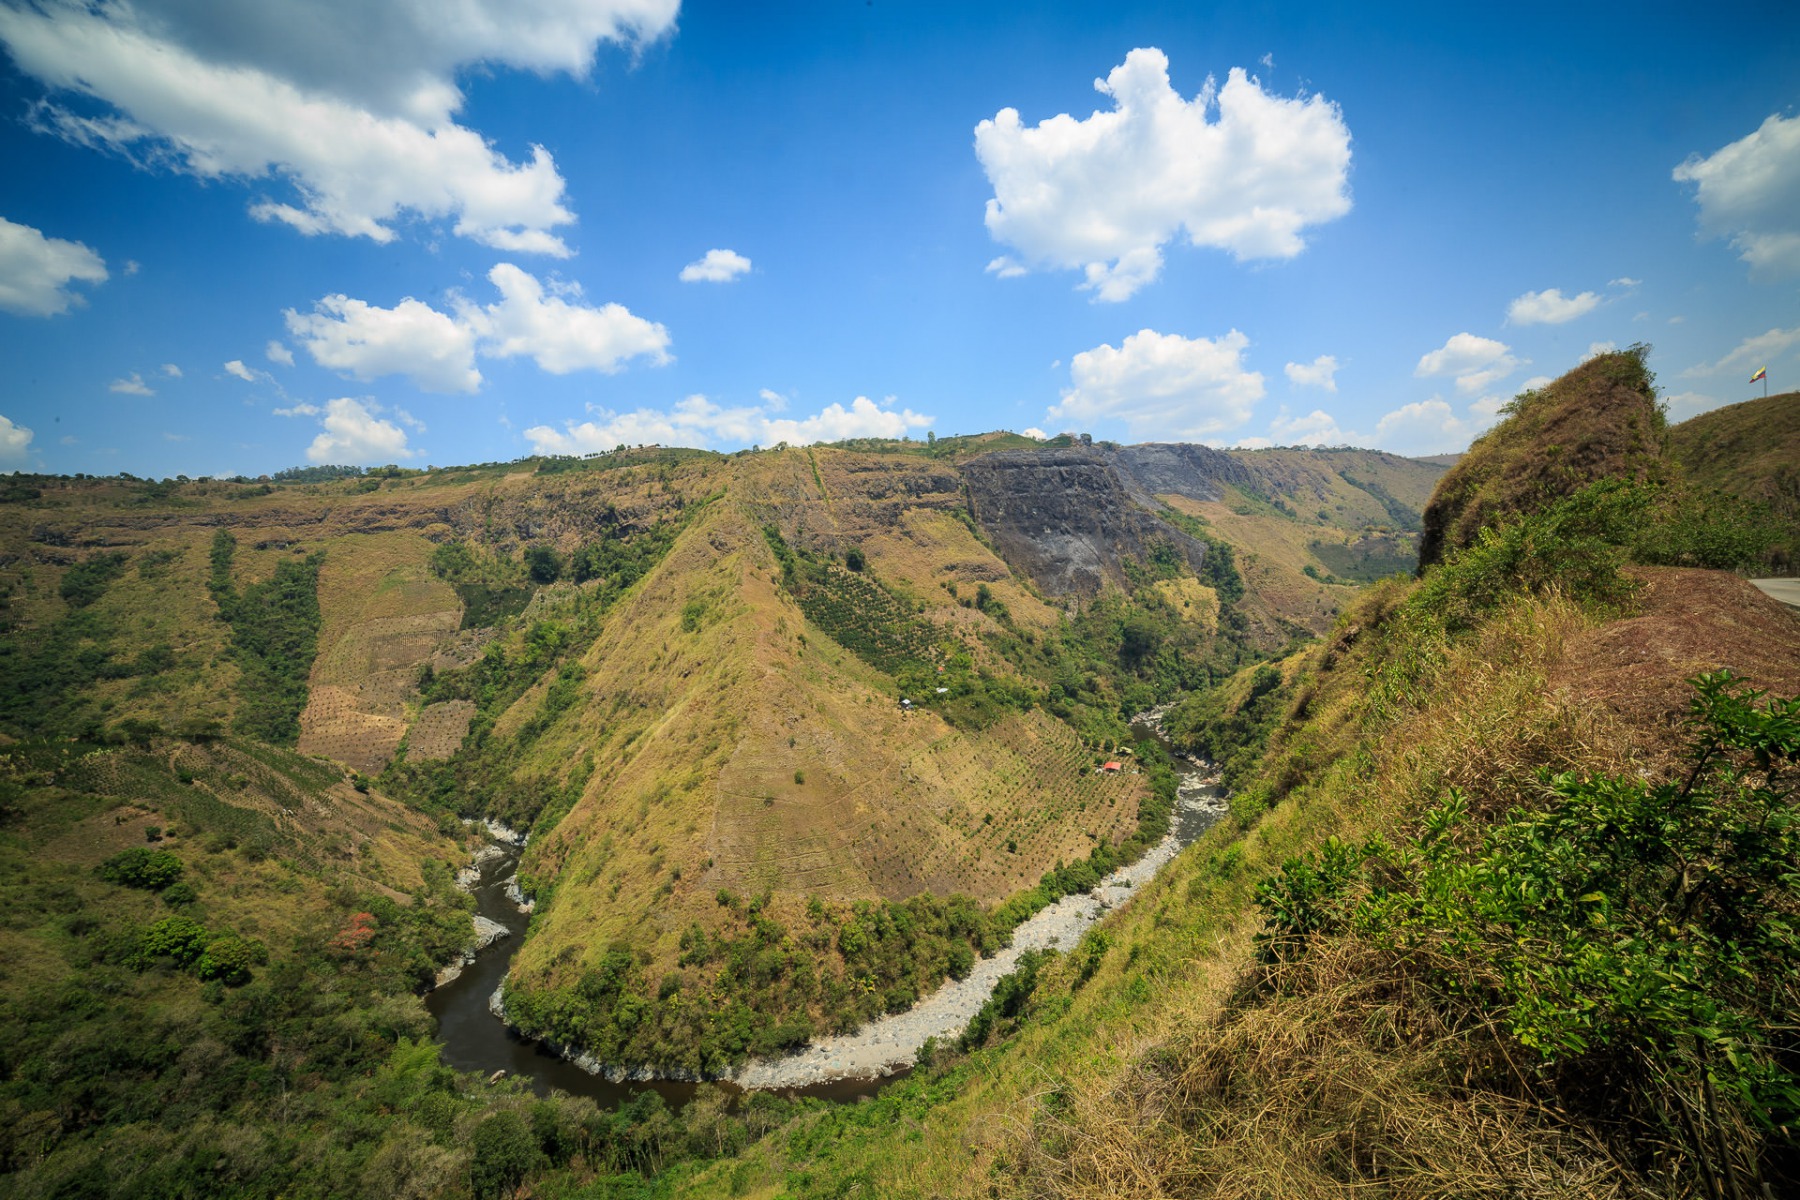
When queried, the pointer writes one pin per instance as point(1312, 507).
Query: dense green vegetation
point(158, 1053)
point(274, 639)
point(1230, 727)
point(45, 678)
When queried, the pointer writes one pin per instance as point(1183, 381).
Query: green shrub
point(141, 867)
point(1644, 933)
point(87, 581)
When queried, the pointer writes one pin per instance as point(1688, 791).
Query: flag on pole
point(1762, 374)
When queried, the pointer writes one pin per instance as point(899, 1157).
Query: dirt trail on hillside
point(1687, 622)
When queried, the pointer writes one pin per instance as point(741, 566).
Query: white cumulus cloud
point(171, 370)
point(131, 385)
point(1749, 192)
point(1752, 353)
point(1035, 434)
point(1235, 168)
point(1163, 385)
point(718, 266)
point(697, 421)
point(276, 352)
point(1550, 307)
point(347, 109)
point(558, 335)
point(35, 271)
point(1321, 372)
point(15, 444)
point(237, 368)
point(353, 432)
point(412, 338)
point(1474, 361)
point(437, 350)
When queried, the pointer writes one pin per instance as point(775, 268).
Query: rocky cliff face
point(1065, 517)
point(1162, 469)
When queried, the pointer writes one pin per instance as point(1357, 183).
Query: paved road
point(1785, 590)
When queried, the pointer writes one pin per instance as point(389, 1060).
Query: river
point(835, 1068)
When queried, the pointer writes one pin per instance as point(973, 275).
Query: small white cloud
point(365, 342)
point(132, 266)
point(1596, 349)
point(15, 444)
point(1550, 307)
point(1624, 281)
point(67, 439)
point(718, 266)
point(1536, 382)
point(236, 367)
point(177, 437)
point(131, 385)
point(697, 421)
point(1104, 194)
point(171, 370)
point(1676, 320)
point(1321, 372)
point(355, 434)
point(1749, 192)
point(36, 271)
point(542, 321)
point(1474, 361)
point(1163, 385)
point(1751, 353)
point(1035, 434)
point(276, 352)
point(1005, 268)
point(301, 409)
point(775, 401)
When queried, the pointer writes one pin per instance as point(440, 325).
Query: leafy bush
point(141, 867)
point(543, 564)
point(87, 581)
point(1639, 932)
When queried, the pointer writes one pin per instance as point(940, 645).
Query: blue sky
point(334, 231)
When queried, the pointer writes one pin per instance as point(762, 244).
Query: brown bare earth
point(1689, 621)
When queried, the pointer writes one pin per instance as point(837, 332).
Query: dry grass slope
point(1599, 421)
